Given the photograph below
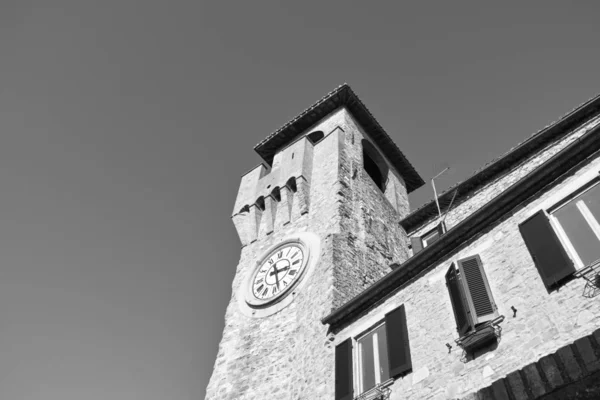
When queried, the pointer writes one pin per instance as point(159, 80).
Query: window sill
point(379, 392)
point(482, 336)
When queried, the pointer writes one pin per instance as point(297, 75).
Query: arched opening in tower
point(374, 165)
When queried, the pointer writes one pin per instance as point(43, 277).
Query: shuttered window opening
point(566, 237)
point(419, 243)
point(344, 389)
point(470, 294)
point(577, 220)
point(381, 353)
point(372, 359)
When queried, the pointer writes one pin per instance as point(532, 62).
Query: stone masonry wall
point(287, 355)
point(371, 239)
point(476, 200)
point(544, 321)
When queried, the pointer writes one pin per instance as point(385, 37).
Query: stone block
point(588, 354)
point(572, 368)
point(534, 381)
point(284, 208)
point(517, 386)
point(551, 371)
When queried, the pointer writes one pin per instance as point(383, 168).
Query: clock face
point(278, 272)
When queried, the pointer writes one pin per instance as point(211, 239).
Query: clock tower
point(318, 224)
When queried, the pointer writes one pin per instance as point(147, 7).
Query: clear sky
point(126, 125)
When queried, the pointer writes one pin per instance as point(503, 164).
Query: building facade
point(342, 293)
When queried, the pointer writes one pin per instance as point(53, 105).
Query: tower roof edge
point(342, 96)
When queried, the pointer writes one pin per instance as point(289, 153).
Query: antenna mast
point(435, 192)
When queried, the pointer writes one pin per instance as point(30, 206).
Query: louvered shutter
point(477, 290)
point(417, 244)
point(344, 387)
point(398, 346)
point(549, 256)
point(459, 305)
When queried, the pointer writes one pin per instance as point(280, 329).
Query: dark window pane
point(384, 365)
point(368, 362)
point(580, 233)
point(431, 237)
point(592, 200)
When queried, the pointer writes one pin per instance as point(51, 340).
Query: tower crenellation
point(318, 223)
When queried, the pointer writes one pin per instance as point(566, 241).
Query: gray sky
point(125, 126)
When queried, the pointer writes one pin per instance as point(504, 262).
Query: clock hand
point(276, 277)
point(279, 270)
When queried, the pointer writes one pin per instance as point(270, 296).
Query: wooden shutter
point(344, 386)
point(549, 256)
point(459, 305)
point(477, 290)
point(416, 243)
point(398, 346)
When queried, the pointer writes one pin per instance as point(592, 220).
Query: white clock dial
point(278, 272)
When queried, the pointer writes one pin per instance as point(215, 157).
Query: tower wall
point(323, 189)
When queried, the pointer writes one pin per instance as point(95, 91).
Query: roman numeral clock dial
point(272, 282)
point(277, 273)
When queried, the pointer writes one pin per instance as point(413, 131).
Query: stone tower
point(318, 224)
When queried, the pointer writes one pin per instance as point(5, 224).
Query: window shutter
point(344, 387)
point(477, 290)
point(416, 243)
point(398, 346)
point(460, 307)
point(549, 256)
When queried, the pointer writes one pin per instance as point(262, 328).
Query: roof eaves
point(519, 192)
point(342, 96)
point(503, 164)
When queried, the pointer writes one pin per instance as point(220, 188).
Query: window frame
point(424, 238)
point(356, 348)
point(589, 218)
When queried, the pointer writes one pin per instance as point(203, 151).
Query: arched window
point(260, 203)
point(291, 184)
point(374, 165)
point(276, 195)
point(315, 136)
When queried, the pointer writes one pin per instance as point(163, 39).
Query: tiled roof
point(343, 96)
point(502, 165)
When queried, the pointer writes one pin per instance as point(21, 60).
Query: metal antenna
point(435, 192)
point(450, 206)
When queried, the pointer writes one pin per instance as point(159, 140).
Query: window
point(566, 237)
point(576, 222)
point(374, 357)
point(315, 136)
point(431, 237)
point(373, 367)
point(374, 165)
point(419, 243)
point(470, 294)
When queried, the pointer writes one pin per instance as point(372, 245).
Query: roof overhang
point(343, 96)
point(503, 164)
point(544, 175)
